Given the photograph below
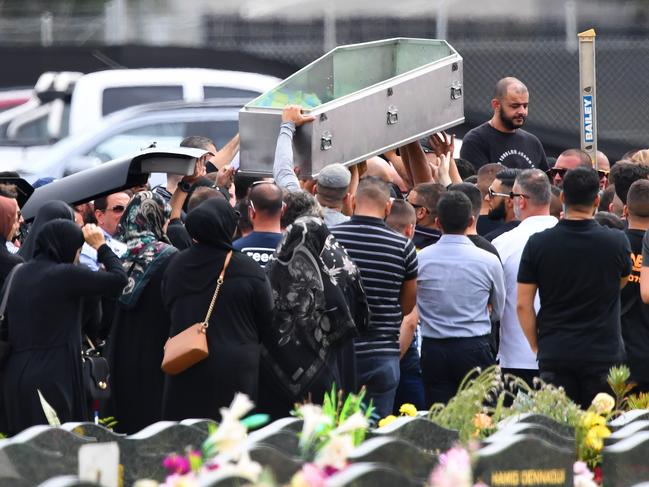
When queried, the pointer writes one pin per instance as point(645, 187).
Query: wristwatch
point(184, 186)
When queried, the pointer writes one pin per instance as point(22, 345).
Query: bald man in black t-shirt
point(501, 139)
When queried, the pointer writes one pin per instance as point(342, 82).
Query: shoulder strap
point(219, 283)
point(5, 297)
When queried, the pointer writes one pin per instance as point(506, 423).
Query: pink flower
point(313, 476)
point(175, 464)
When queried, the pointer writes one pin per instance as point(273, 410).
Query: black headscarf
point(48, 212)
point(213, 223)
point(58, 240)
point(319, 301)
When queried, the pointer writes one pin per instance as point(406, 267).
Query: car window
point(35, 129)
point(225, 92)
point(122, 97)
point(166, 135)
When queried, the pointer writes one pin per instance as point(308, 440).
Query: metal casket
point(367, 98)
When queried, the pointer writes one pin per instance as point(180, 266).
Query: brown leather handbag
point(189, 347)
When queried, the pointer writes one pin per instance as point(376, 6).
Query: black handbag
point(96, 374)
point(5, 347)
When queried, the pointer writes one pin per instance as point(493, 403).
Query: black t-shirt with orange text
point(635, 314)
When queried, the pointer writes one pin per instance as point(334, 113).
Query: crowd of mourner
point(399, 274)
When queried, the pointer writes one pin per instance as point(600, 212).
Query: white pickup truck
point(69, 103)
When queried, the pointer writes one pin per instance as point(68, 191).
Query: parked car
point(132, 129)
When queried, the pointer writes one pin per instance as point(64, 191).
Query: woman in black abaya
point(242, 311)
point(141, 324)
point(44, 318)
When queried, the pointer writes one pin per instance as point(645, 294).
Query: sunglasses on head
point(561, 171)
point(510, 195)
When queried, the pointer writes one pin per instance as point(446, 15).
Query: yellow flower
point(595, 437)
point(386, 421)
point(591, 419)
point(482, 421)
point(408, 409)
point(603, 403)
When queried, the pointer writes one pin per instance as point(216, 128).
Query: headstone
point(52, 439)
point(401, 455)
point(282, 465)
point(524, 460)
point(99, 463)
point(532, 429)
point(628, 418)
point(23, 465)
point(100, 433)
point(201, 424)
point(540, 419)
point(627, 431)
point(421, 432)
point(68, 481)
point(626, 462)
point(281, 434)
point(369, 475)
point(142, 453)
point(218, 479)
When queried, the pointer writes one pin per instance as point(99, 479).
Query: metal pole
point(441, 19)
point(47, 36)
point(329, 41)
point(587, 93)
point(571, 26)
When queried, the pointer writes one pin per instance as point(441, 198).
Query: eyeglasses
point(510, 195)
point(263, 181)
point(117, 209)
point(561, 171)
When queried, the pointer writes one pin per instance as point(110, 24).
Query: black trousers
point(445, 362)
point(581, 380)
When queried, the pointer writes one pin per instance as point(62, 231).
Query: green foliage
point(110, 422)
point(547, 400)
point(618, 381)
point(2, 436)
point(638, 401)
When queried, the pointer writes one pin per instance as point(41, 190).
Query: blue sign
point(587, 101)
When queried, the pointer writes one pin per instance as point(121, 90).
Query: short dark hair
point(266, 198)
point(102, 203)
point(472, 192)
point(535, 184)
point(606, 198)
point(610, 220)
point(298, 204)
point(638, 199)
point(401, 215)
point(198, 142)
point(333, 196)
point(373, 189)
point(624, 174)
point(584, 157)
point(9, 191)
point(465, 168)
point(200, 194)
point(580, 187)
point(454, 211)
point(508, 176)
point(244, 224)
point(428, 195)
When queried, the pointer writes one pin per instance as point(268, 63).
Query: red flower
point(598, 475)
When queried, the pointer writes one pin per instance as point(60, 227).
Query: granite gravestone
point(281, 434)
point(542, 420)
point(627, 431)
point(421, 432)
point(628, 418)
point(398, 454)
point(23, 465)
point(524, 460)
point(369, 475)
point(282, 465)
point(535, 430)
point(68, 481)
point(626, 462)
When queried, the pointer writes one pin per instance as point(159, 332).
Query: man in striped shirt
point(388, 265)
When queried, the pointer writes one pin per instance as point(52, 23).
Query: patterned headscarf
point(141, 228)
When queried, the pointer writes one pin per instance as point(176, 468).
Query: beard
point(508, 122)
point(497, 213)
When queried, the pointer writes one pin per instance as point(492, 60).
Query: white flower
point(245, 467)
point(335, 452)
point(354, 422)
point(312, 417)
point(230, 438)
point(603, 403)
point(239, 407)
